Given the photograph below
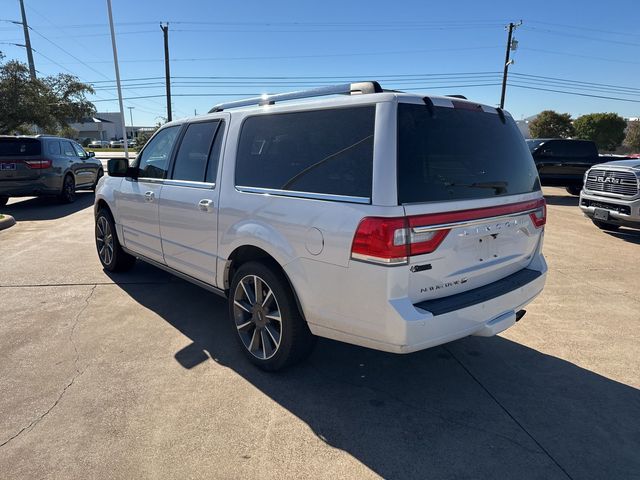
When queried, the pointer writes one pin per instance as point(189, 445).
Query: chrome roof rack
point(344, 89)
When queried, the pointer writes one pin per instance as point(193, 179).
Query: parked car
point(132, 143)
point(45, 165)
point(562, 163)
point(99, 144)
point(383, 219)
point(116, 144)
point(611, 194)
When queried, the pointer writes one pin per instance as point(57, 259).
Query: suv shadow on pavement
point(475, 408)
point(47, 208)
point(626, 234)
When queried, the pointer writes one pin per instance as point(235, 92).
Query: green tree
point(632, 139)
point(49, 103)
point(605, 129)
point(551, 124)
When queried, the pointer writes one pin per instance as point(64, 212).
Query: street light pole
point(115, 64)
point(131, 116)
point(27, 42)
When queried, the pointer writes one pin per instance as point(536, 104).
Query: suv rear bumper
point(621, 212)
point(399, 326)
point(45, 184)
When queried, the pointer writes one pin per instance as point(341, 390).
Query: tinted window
point(324, 151)
point(191, 160)
point(54, 147)
point(68, 150)
point(456, 154)
point(533, 144)
point(571, 148)
point(19, 146)
point(214, 158)
point(154, 159)
point(79, 150)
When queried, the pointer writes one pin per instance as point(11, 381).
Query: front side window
point(193, 154)
point(321, 151)
point(154, 159)
point(79, 150)
point(456, 154)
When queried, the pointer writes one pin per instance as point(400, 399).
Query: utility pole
point(27, 42)
point(167, 72)
point(117, 68)
point(507, 61)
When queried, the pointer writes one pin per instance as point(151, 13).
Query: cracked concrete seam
point(77, 374)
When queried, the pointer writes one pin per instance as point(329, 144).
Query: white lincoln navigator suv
point(383, 219)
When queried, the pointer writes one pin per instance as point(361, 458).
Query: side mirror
point(91, 154)
point(119, 167)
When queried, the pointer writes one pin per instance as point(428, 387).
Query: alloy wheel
point(257, 317)
point(104, 240)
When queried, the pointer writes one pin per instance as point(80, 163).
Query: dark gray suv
point(45, 165)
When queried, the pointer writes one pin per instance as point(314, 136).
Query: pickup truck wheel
point(605, 226)
point(111, 255)
point(266, 318)
point(573, 190)
point(3, 200)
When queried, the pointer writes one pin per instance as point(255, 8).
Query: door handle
point(205, 205)
point(149, 196)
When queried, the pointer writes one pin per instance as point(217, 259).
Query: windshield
point(456, 154)
point(533, 144)
point(19, 147)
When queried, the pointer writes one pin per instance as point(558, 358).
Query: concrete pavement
point(138, 375)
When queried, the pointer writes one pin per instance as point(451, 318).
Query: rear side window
point(68, 150)
point(322, 151)
point(570, 148)
point(54, 147)
point(19, 147)
point(457, 154)
point(193, 154)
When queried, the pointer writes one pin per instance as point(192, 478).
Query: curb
point(7, 221)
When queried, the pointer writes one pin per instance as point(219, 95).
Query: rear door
point(18, 156)
point(138, 199)
point(468, 183)
point(188, 212)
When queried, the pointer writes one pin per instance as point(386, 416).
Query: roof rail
point(457, 96)
point(344, 89)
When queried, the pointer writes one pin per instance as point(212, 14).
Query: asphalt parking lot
point(138, 375)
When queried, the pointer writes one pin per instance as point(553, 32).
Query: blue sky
point(438, 47)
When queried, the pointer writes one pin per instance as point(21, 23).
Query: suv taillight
point(38, 164)
point(391, 241)
point(539, 216)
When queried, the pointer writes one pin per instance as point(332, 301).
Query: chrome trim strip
point(296, 194)
point(178, 274)
point(469, 223)
point(189, 183)
point(387, 262)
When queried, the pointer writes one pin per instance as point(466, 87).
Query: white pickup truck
point(611, 194)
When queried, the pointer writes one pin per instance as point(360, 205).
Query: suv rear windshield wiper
point(499, 186)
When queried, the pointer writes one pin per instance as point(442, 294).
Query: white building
point(105, 126)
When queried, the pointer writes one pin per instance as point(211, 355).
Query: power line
point(584, 37)
point(574, 93)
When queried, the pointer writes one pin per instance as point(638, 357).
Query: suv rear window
point(457, 154)
point(321, 151)
point(20, 147)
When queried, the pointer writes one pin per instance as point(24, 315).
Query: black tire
point(573, 190)
point(68, 193)
point(110, 252)
point(605, 226)
point(98, 177)
point(3, 200)
point(254, 322)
